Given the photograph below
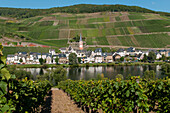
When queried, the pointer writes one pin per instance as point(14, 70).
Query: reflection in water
point(86, 73)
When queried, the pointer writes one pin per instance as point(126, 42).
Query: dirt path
point(61, 103)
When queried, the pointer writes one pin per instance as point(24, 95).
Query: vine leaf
point(3, 86)
point(127, 93)
point(5, 108)
point(5, 74)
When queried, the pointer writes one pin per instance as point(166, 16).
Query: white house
point(63, 49)
point(98, 51)
point(98, 59)
point(158, 55)
point(52, 51)
point(121, 52)
point(48, 59)
point(10, 59)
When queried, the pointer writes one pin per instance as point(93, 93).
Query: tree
point(152, 56)
point(163, 57)
point(41, 61)
point(73, 59)
point(56, 60)
point(20, 60)
point(145, 58)
point(44, 60)
point(55, 76)
point(79, 60)
point(166, 69)
point(127, 59)
point(122, 59)
point(149, 75)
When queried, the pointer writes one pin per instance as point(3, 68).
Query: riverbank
point(85, 65)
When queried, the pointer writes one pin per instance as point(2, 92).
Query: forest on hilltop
point(81, 8)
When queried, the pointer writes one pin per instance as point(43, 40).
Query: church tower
point(81, 43)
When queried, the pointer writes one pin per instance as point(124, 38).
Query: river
point(86, 73)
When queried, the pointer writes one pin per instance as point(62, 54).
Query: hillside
point(81, 8)
point(106, 29)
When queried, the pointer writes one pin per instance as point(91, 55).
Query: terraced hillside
point(147, 30)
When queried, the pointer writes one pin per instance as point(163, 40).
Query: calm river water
point(86, 73)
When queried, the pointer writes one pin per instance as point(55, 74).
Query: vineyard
point(113, 96)
point(20, 96)
point(13, 50)
point(102, 28)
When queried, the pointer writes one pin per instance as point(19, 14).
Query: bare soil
point(60, 103)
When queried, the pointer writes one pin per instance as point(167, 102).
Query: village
point(86, 56)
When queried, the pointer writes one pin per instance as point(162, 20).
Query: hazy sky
point(157, 5)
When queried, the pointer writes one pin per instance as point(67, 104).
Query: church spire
point(81, 43)
point(80, 37)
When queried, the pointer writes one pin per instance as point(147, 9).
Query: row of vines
point(20, 96)
point(114, 96)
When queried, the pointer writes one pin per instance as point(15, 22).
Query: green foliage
point(41, 60)
point(120, 95)
point(117, 18)
point(73, 59)
point(56, 60)
point(13, 50)
point(119, 76)
point(166, 69)
point(149, 75)
point(19, 74)
point(152, 56)
point(145, 58)
point(20, 60)
point(20, 95)
point(100, 76)
point(98, 29)
point(154, 40)
point(102, 41)
point(136, 16)
point(54, 76)
point(75, 39)
point(57, 43)
point(163, 57)
point(79, 60)
point(122, 59)
point(82, 8)
point(126, 40)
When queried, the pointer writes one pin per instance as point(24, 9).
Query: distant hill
point(106, 25)
point(82, 8)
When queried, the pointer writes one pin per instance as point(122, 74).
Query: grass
point(102, 41)
point(55, 43)
point(85, 65)
point(136, 17)
point(110, 31)
point(13, 50)
point(92, 20)
point(123, 24)
point(50, 34)
point(126, 41)
point(72, 22)
point(104, 49)
point(154, 28)
point(117, 18)
point(58, 43)
point(46, 23)
point(155, 40)
point(89, 41)
point(92, 33)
